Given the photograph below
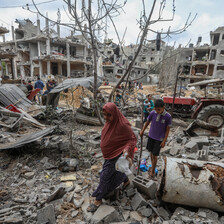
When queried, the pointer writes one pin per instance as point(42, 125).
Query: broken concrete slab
point(173, 151)
point(46, 215)
point(145, 186)
point(144, 211)
point(134, 216)
point(191, 146)
point(163, 213)
point(138, 201)
point(105, 214)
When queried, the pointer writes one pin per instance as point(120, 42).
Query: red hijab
point(117, 135)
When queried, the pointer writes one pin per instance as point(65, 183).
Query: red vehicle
point(208, 110)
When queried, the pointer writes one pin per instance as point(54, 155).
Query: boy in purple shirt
point(160, 126)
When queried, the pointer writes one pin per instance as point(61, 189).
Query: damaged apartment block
point(206, 61)
point(35, 52)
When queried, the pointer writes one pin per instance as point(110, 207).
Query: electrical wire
point(18, 6)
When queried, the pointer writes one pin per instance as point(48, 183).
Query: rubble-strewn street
point(50, 181)
point(111, 112)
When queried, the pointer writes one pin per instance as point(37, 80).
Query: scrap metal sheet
point(86, 82)
point(11, 94)
point(27, 138)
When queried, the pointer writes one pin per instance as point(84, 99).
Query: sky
point(209, 16)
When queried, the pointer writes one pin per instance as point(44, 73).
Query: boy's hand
point(163, 144)
point(141, 133)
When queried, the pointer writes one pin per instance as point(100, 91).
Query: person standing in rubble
point(148, 107)
point(118, 98)
point(159, 130)
point(39, 85)
point(117, 138)
point(29, 87)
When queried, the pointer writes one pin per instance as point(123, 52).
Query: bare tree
point(144, 23)
point(87, 17)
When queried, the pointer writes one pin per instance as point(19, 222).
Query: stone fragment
point(174, 151)
point(78, 203)
point(134, 216)
point(126, 215)
point(16, 218)
point(74, 213)
point(192, 146)
point(146, 212)
point(29, 175)
point(138, 201)
point(130, 192)
point(202, 214)
point(209, 214)
point(105, 214)
point(163, 213)
point(186, 219)
point(46, 215)
point(78, 188)
point(87, 215)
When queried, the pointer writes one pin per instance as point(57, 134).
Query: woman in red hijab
point(117, 137)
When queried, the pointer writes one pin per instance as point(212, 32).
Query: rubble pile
point(49, 171)
point(54, 184)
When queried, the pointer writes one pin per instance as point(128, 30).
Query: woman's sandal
point(92, 207)
point(125, 185)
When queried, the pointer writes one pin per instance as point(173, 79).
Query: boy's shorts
point(153, 146)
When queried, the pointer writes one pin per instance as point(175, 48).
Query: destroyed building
point(117, 60)
point(203, 62)
point(36, 52)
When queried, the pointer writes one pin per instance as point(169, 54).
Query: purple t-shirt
point(159, 123)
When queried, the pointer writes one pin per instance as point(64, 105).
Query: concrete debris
point(148, 187)
point(105, 214)
point(46, 215)
point(138, 201)
point(53, 183)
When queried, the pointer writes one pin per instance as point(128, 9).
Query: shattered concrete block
point(126, 215)
point(105, 214)
point(130, 192)
point(186, 219)
point(74, 213)
point(146, 212)
point(134, 216)
point(87, 215)
point(145, 186)
point(201, 141)
point(193, 156)
point(78, 203)
point(13, 219)
point(174, 151)
point(163, 213)
point(29, 175)
point(192, 146)
point(202, 155)
point(220, 154)
point(46, 215)
point(138, 201)
point(209, 214)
